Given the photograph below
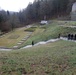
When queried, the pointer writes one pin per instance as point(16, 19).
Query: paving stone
point(23, 39)
point(15, 46)
point(19, 43)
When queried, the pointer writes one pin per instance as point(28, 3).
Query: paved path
point(1, 49)
point(41, 43)
point(68, 26)
point(49, 41)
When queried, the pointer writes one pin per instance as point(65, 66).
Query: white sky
point(14, 5)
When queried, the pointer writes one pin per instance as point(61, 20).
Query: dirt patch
point(32, 29)
point(14, 37)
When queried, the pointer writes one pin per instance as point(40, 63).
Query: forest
point(34, 12)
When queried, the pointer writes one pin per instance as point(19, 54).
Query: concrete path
point(68, 26)
point(5, 49)
point(41, 43)
point(49, 41)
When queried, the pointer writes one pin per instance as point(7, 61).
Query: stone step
point(15, 46)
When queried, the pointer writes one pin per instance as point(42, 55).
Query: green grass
point(39, 33)
point(66, 23)
point(12, 38)
point(50, 31)
point(32, 29)
point(58, 58)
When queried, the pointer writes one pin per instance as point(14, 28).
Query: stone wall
point(73, 16)
point(73, 12)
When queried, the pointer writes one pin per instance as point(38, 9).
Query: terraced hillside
point(24, 36)
point(51, 31)
point(12, 38)
point(57, 58)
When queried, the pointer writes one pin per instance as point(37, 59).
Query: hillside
point(24, 36)
point(18, 30)
point(56, 58)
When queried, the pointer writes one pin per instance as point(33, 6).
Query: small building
point(73, 12)
point(43, 22)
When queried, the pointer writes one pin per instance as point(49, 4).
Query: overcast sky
point(14, 5)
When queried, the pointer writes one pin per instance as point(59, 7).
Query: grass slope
point(46, 32)
point(12, 38)
point(39, 33)
point(58, 58)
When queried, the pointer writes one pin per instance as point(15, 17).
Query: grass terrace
point(12, 38)
point(39, 33)
point(58, 58)
point(50, 31)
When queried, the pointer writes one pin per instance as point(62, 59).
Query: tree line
point(8, 21)
point(41, 9)
point(34, 12)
